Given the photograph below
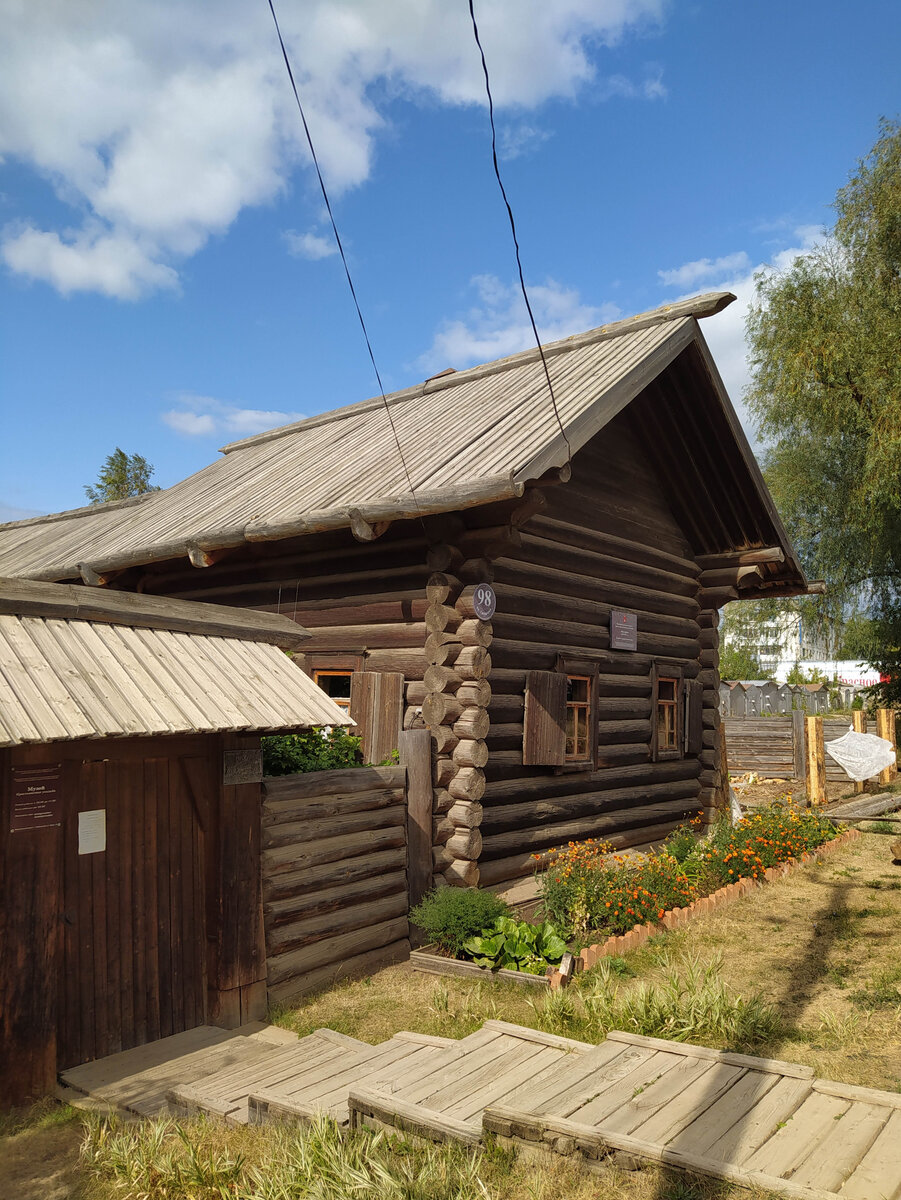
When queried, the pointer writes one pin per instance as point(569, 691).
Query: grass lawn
point(820, 946)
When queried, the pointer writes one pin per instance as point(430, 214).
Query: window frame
point(666, 670)
point(587, 669)
point(332, 673)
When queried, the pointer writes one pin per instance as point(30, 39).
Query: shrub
point(450, 916)
point(517, 945)
point(313, 750)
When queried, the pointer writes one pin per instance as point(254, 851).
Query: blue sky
point(167, 277)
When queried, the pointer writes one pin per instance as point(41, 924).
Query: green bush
point(314, 750)
point(517, 945)
point(450, 916)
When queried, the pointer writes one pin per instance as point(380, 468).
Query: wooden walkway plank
point(477, 1069)
point(513, 1071)
point(740, 1141)
point(568, 1074)
point(661, 1096)
point(485, 1051)
point(728, 1110)
point(589, 1086)
point(855, 1133)
point(610, 1098)
point(805, 1130)
point(878, 1174)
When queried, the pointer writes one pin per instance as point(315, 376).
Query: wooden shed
point(609, 533)
point(130, 903)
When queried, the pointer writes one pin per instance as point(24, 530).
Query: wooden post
point(885, 728)
point(723, 800)
point(799, 744)
point(859, 721)
point(416, 756)
point(816, 761)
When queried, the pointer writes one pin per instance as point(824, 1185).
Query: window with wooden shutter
point(544, 720)
point(694, 713)
point(667, 711)
point(377, 706)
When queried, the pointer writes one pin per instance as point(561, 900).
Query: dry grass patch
point(397, 998)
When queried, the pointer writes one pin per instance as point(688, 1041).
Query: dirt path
point(41, 1163)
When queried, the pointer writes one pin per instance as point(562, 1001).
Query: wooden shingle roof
point(77, 663)
point(467, 438)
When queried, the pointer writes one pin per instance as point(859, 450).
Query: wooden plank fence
point(775, 747)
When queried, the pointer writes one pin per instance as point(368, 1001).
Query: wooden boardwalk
point(732, 1116)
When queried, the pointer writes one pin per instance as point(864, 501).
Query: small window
point(578, 718)
point(335, 684)
point(667, 704)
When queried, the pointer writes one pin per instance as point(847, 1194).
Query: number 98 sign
point(484, 601)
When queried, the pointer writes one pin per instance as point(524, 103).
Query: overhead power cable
point(500, 182)
point(350, 282)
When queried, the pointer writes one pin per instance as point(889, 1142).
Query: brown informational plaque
point(623, 630)
point(35, 798)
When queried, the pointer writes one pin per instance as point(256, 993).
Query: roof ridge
point(705, 305)
point(83, 510)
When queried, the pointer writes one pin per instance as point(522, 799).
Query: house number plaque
point(623, 630)
point(484, 602)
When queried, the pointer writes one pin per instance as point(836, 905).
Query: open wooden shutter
point(377, 706)
point(544, 720)
point(693, 707)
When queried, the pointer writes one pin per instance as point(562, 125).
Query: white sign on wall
point(92, 831)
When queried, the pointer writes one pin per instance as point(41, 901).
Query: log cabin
point(538, 582)
point(130, 899)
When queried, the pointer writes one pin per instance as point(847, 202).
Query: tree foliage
point(739, 662)
point(826, 391)
point(121, 476)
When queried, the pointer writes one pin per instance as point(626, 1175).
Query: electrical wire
point(500, 182)
point(350, 282)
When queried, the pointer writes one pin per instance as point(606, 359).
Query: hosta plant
point(517, 945)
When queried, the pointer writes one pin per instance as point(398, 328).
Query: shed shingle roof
point(64, 677)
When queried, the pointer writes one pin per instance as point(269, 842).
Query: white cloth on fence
point(862, 755)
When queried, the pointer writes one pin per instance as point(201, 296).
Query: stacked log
point(455, 695)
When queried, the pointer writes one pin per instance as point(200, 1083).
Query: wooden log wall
point(364, 600)
point(605, 539)
point(334, 876)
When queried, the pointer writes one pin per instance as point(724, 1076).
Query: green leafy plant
point(517, 945)
point(313, 750)
point(450, 916)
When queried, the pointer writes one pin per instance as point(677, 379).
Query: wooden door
point(133, 957)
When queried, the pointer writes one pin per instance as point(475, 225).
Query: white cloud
point(310, 245)
point(522, 138)
point(204, 416)
point(620, 87)
point(158, 123)
point(113, 264)
point(704, 268)
point(725, 333)
point(498, 324)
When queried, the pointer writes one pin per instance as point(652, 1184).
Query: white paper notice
point(92, 831)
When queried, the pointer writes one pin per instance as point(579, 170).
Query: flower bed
point(588, 892)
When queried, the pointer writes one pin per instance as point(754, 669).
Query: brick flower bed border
point(676, 917)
